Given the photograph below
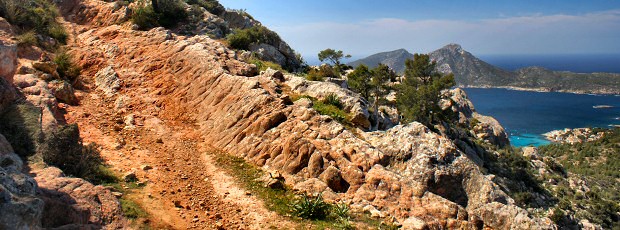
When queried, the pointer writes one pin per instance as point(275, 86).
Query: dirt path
point(185, 189)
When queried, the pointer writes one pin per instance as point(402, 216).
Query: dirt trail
point(185, 189)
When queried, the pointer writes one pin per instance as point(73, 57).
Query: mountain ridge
point(470, 71)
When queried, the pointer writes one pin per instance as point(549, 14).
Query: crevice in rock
point(451, 188)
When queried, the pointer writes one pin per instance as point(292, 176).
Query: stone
point(8, 51)
point(413, 223)
point(130, 177)
point(63, 91)
point(21, 208)
point(146, 167)
point(107, 81)
point(47, 67)
point(531, 153)
point(304, 102)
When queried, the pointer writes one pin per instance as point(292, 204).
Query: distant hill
point(394, 59)
point(469, 71)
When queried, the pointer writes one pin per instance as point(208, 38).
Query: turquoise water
point(526, 115)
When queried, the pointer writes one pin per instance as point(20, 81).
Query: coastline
point(542, 90)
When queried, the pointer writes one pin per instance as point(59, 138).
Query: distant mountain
point(469, 71)
point(394, 59)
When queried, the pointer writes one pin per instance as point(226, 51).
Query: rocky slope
point(469, 71)
point(162, 98)
point(407, 172)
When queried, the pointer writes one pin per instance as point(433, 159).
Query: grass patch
point(330, 106)
point(34, 15)
point(305, 210)
point(67, 69)
point(132, 210)
point(264, 65)
point(21, 125)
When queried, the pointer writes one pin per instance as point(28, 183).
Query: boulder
point(8, 51)
point(63, 91)
point(19, 206)
point(353, 103)
point(75, 203)
point(107, 81)
point(47, 67)
point(268, 53)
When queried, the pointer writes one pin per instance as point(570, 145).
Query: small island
point(602, 106)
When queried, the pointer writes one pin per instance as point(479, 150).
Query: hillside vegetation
point(591, 189)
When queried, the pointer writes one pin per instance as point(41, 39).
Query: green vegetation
point(419, 94)
point(213, 6)
point(33, 16)
point(67, 69)
point(311, 208)
point(324, 71)
point(372, 85)
point(21, 125)
point(596, 164)
point(132, 210)
point(166, 13)
point(333, 56)
point(243, 38)
point(306, 210)
point(264, 65)
point(27, 39)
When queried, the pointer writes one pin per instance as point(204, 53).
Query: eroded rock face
point(406, 172)
point(19, 206)
point(483, 127)
point(353, 103)
point(8, 51)
point(76, 202)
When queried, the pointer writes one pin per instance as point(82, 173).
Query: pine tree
point(420, 92)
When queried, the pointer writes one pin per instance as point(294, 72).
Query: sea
point(527, 115)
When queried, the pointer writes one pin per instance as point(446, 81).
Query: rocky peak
point(394, 59)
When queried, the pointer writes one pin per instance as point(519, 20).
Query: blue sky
point(363, 27)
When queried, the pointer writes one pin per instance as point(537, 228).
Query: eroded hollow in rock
point(451, 188)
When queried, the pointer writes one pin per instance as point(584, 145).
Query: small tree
point(333, 56)
point(359, 80)
point(419, 94)
point(372, 85)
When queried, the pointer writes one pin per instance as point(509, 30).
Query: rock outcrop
point(8, 51)
point(20, 208)
point(482, 127)
point(406, 172)
point(353, 103)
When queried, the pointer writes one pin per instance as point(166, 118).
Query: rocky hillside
point(165, 106)
point(469, 71)
point(394, 59)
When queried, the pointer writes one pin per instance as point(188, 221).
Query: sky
point(489, 27)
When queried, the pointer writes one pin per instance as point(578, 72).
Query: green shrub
point(332, 99)
point(33, 15)
point(67, 69)
point(21, 125)
point(132, 210)
point(330, 110)
point(264, 65)
point(213, 6)
point(144, 16)
point(311, 208)
point(27, 39)
point(243, 38)
point(170, 12)
point(63, 149)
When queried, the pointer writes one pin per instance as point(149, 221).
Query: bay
point(527, 115)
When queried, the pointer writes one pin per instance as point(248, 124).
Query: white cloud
point(597, 32)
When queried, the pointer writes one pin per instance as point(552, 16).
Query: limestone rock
point(63, 91)
point(8, 51)
point(353, 103)
point(268, 53)
point(107, 81)
point(47, 67)
point(413, 223)
point(7, 94)
point(20, 208)
point(76, 202)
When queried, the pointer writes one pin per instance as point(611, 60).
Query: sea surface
point(526, 115)
point(579, 63)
